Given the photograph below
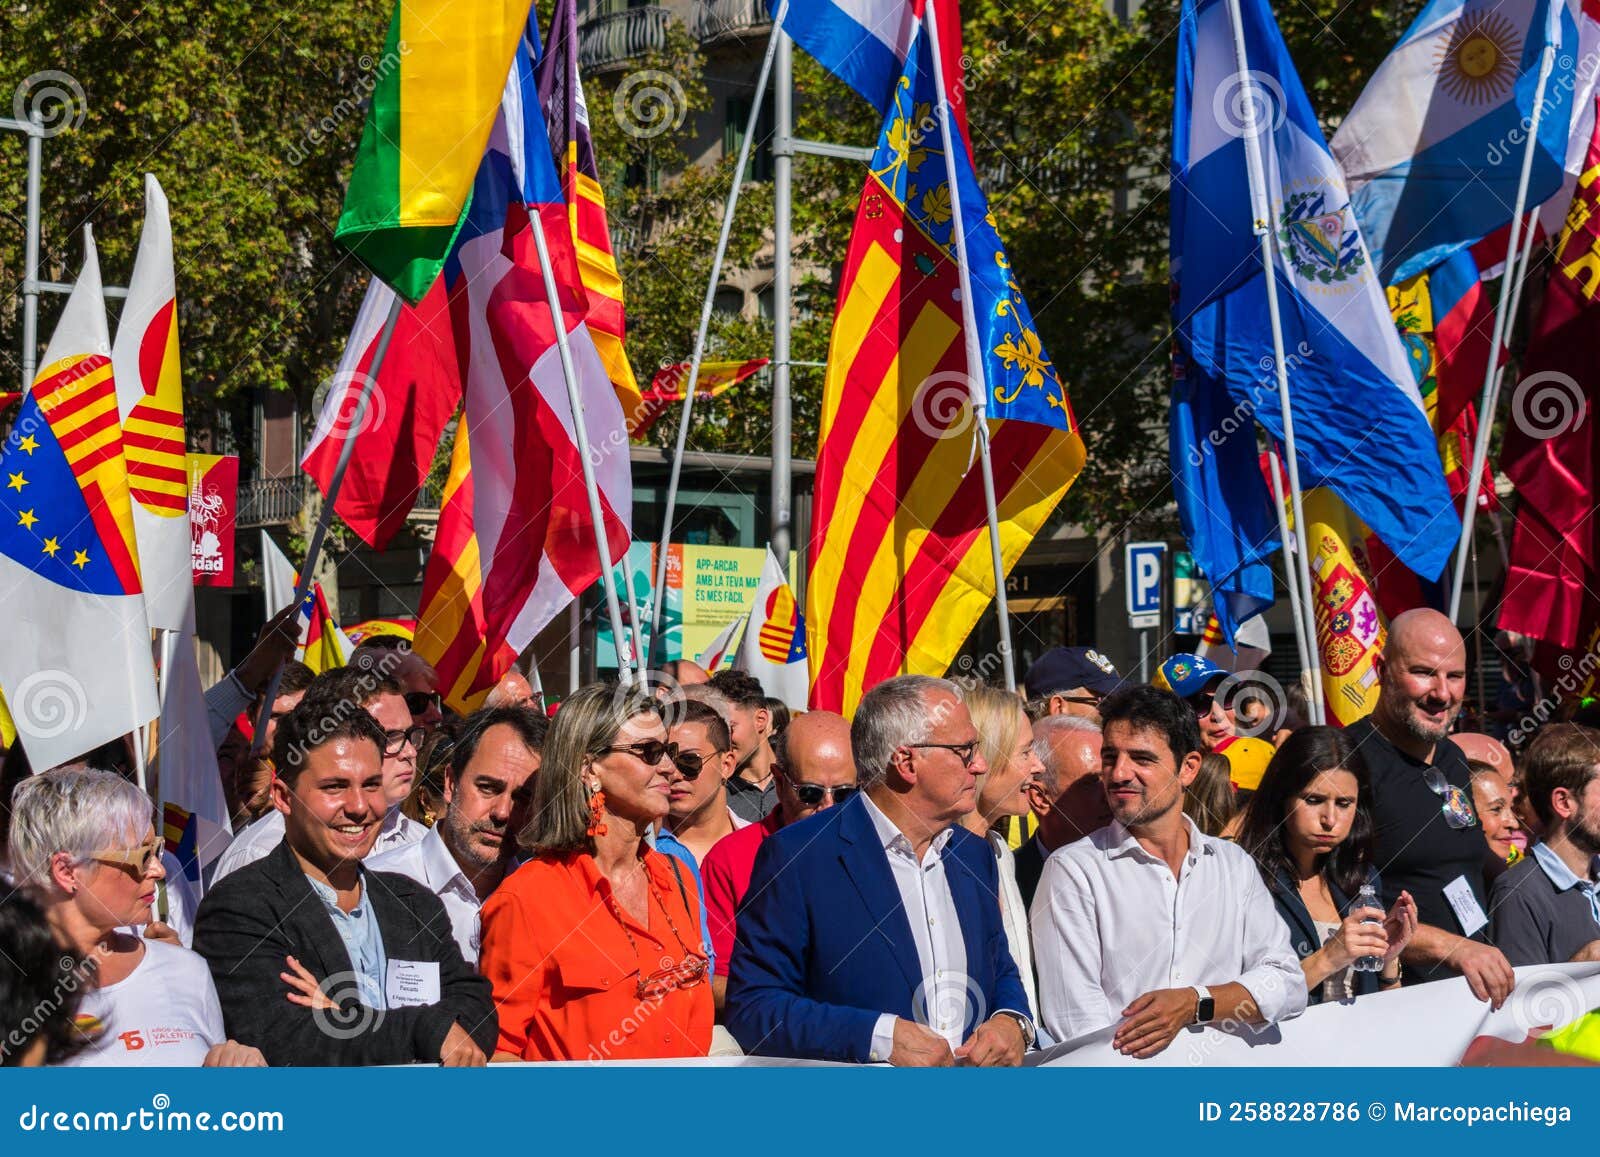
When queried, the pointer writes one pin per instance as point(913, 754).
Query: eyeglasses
point(812, 794)
point(691, 763)
point(689, 971)
point(1456, 808)
point(651, 751)
point(394, 742)
point(420, 702)
point(965, 752)
point(139, 859)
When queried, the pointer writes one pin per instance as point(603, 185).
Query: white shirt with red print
point(165, 1012)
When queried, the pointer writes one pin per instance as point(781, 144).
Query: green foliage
point(249, 115)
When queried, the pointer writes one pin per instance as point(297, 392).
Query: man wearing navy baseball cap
point(1069, 681)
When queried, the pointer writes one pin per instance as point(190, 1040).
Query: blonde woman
point(1005, 740)
point(593, 946)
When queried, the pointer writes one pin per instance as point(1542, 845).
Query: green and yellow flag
point(435, 93)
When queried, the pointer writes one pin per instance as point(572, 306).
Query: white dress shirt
point(266, 833)
point(1110, 923)
point(1014, 915)
point(936, 929)
point(429, 863)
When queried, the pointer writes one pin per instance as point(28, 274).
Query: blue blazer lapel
point(967, 891)
point(866, 865)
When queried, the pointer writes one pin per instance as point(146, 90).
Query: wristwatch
point(1023, 1023)
point(1205, 1008)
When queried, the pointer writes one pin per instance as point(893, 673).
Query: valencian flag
point(437, 88)
point(1433, 147)
point(518, 545)
point(150, 399)
point(567, 121)
point(76, 665)
point(666, 388)
point(1550, 442)
point(900, 552)
point(1359, 420)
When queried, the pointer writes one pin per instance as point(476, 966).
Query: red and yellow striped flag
point(566, 114)
point(900, 554)
point(452, 632)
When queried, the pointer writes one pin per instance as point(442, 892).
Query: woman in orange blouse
point(593, 946)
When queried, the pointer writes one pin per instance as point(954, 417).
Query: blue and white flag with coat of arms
point(1359, 422)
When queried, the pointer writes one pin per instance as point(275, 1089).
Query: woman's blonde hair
point(586, 723)
point(998, 717)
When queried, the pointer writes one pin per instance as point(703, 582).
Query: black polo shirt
point(1415, 848)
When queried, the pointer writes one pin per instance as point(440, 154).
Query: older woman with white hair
point(1005, 740)
point(84, 844)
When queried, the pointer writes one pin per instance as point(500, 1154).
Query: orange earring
point(597, 801)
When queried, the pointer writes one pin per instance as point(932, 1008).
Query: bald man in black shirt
point(1427, 838)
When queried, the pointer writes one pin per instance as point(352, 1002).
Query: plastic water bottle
point(1368, 898)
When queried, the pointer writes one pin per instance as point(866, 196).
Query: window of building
point(736, 119)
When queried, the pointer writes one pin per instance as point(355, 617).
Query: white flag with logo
point(774, 646)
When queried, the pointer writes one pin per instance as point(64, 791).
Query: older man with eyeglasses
point(1427, 838)
point(872, 931)
point(339, 693)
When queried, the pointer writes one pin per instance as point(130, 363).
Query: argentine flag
point(1359, 422)
point(1433, 148)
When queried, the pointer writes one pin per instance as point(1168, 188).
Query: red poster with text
point(213, 506)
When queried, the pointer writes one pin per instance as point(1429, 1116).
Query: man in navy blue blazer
point(872, 930)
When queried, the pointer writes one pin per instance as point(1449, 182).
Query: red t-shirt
point(725, 876)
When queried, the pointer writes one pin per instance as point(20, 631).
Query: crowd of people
point(956, 874)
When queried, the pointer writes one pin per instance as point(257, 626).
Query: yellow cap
point(1247, 761)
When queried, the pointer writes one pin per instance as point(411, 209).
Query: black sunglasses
point(691, 763)
point(651, 751)
point(394, 742)
point(812, 794)
point(418, 702)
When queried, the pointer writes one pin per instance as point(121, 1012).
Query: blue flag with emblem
point(1359, 422)
point(1433, 148)
point(76, 665)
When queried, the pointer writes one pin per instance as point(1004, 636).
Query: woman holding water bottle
point(1309, 827)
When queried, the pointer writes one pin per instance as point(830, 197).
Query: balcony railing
point(719, 20)
point(271, 501)
point(278, 501)
point(612, 40)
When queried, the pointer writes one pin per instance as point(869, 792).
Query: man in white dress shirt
point(1148, 924)
point(338, 693)
point(487, 788)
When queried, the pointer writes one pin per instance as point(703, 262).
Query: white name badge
point(412, 982)
point(1468, 911)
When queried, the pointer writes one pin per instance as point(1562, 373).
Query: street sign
point(1145, 564)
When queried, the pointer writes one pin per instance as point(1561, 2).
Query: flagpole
point(574, 646)
point(975, 360)
point(1298, 560)
point(659, 586)
point(1306, 647)
point(347, 447)
point(1510, 291)
point(580, 431)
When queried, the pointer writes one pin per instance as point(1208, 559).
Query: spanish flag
point(900, 552)
point(567, 117)
point(666, 388)
point(435, 92)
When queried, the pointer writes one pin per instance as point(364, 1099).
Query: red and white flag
point(417, 389)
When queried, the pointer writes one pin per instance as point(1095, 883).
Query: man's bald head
point(813, 750)
point(686, 672)
point(1422, 676)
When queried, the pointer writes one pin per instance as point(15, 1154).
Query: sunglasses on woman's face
point(812, 794)
point(135, 860)
point(650, 751)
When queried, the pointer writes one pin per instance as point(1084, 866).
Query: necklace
point(689, 971)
